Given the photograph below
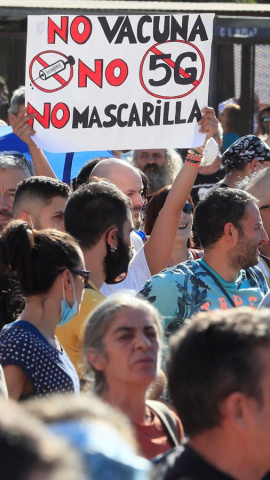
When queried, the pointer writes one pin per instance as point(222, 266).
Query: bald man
point(127, 179)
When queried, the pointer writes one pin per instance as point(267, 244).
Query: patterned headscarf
point(244, 150)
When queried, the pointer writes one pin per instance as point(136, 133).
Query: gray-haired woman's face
point(131, 346)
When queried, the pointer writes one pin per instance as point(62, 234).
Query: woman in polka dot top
point(50, 268)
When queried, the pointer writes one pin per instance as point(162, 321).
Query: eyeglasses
point(265, 120)
point(85, 274)
point(188, 208)
point(264, 206)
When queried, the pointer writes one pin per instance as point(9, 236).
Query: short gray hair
point(12, 160)
point(17, 99)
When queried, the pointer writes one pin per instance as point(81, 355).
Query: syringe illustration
point(54, 68)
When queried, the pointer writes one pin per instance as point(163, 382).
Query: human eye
point(10, 193)
point(126, 335)
point(151, 333)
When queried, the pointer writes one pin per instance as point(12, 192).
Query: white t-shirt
point(138, 274)
point(136, 240)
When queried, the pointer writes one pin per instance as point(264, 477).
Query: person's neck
point(234, 178)
point(43, 314)
point(94, 261)
point(179, 254)
point(232, 460)
point(131, 401)
point(219, 264)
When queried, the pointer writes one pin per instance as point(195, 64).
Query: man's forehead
point(57, 203)
point(10, 177)
point(151, 151)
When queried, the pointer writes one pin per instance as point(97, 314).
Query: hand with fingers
point(208, 125)
point(22, 128)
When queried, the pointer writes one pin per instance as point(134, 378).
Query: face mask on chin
point(116, 262)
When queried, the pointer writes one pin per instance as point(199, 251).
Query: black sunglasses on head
point(188, 208)
point(85, 274)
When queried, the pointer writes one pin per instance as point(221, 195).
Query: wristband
point(195, 164)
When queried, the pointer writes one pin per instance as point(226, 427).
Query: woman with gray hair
point(122, 343)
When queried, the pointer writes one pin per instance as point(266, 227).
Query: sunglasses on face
point(188, 208)
point(265, 120)
point(84, 274)
point(264, 206)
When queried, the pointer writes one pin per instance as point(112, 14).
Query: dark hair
point(220, 206)
point(85, 172)
point(40, 188)
point(145, 184)
point(36, 256)
point(93, 209)
point(217, 354)
point(153, 208)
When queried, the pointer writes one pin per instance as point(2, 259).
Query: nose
point(138, 201)
point(142, 342)
point(264, 236)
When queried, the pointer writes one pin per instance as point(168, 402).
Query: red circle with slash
point(155, 49)
point(58, 77)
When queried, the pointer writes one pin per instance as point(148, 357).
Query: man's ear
point(24, 216)
point(231, 233)
point(239, 410)
point(254, 165)
point(95, 358)
point(112, 238)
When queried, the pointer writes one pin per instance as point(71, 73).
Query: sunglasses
point(265, 120)
point(84, 274)
point(264, 206)
point(188, 208)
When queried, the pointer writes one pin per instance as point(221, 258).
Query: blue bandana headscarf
point(244, 150)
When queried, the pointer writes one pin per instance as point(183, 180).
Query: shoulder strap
point(217, 282)
point(167, 419)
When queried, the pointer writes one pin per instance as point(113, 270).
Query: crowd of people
point(135, 328)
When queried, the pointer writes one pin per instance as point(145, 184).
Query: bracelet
point(194, 152)
point(195, 164)
point(196, 158)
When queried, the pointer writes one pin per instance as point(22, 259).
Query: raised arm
point(159, 247)
point(23, 130)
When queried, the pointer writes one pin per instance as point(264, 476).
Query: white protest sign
point(117, 82)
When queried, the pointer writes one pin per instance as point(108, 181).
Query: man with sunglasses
point(229, 226)
point(264, 119)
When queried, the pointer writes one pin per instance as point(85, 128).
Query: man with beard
point(98, 216)
point(160, 166)
point(229, 226)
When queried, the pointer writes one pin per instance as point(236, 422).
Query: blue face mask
point(67, 312)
